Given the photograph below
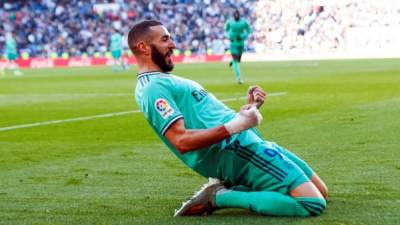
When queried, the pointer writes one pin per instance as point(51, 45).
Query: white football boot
point(203, 201)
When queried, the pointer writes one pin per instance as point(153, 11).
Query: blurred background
point(76, 28)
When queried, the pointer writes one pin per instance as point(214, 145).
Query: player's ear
point(143, 48)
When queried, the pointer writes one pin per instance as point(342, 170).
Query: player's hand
point(252, 115)
point(256, 96)
point(248, 117)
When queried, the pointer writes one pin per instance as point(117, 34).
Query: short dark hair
point(138, 31)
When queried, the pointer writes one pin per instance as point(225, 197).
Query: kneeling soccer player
point(216, 142)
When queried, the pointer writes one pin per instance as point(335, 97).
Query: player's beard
point(162, 60)
point(236, 17)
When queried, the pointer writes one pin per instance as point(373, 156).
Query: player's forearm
point(186, 140)
point(192, 140)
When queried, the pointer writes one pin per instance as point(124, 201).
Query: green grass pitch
point(342, 117)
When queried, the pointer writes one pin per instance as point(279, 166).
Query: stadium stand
point(75, 28)
point(319, 25)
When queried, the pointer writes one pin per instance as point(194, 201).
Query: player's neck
point(145, 67)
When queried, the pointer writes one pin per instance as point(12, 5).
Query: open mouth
point(168, 56)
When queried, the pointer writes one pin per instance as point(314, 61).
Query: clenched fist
point(256, 96)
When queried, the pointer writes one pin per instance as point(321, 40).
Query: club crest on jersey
point(163, 107)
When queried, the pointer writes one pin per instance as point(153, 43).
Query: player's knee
point(324, 191)
point(320, 184)
point(315, 206)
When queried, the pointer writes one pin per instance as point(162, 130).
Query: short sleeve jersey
point(237, 31)
point(164, 98)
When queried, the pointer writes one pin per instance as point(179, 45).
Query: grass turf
point(342, 117)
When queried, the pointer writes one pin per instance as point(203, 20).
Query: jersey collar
point(139, 75)
point(148, 73)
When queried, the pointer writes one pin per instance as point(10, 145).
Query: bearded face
point(236, 15)
point(162, 60)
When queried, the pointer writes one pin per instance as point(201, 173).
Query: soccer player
point(216, 142)
point(237, 30)
point(11, 55)
point(116, 51)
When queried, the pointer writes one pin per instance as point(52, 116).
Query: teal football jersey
point(237, 31)
point(116, 42)
point(11, 46)
point(164, 98)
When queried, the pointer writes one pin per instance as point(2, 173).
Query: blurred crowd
point(318, 25)
point(78, 27)
point(83, 27)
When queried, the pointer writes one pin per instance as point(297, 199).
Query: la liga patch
point(162, 106)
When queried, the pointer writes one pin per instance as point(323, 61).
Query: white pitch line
point(240, 98)
point(106, 115)
point(68, 120)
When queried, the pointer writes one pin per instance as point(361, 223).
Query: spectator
point(77, 27)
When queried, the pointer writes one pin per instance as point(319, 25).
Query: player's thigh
point(259, 166)
point(307, 189)
point(292, 156)
point(240, 57)
point(315, 179)
point(236, 57)
point(235, 50)
point(320, 184)
point(240, 51)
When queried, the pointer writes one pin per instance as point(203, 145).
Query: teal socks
point(314, 205)
point(270, 203)
point(236, 70)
